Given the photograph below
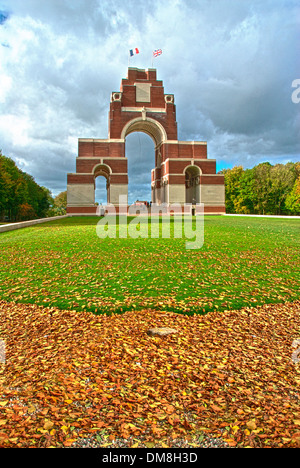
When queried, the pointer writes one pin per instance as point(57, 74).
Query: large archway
point(155, 130)
point(100, 191)
point(147, 125)
point(140, 154)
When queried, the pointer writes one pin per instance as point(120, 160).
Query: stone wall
point(23, 224)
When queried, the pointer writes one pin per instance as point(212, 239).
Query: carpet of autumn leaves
point(69, 375)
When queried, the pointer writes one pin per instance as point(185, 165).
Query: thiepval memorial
point(182, 174)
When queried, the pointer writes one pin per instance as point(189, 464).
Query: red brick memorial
point(182, 174)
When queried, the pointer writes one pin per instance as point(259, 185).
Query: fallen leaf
point(48, 425)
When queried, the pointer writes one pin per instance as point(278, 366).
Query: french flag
point(132, 52)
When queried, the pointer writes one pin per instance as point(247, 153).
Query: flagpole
point(131, 53)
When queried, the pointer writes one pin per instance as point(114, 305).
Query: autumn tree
point(232, 187)
point(292, 202)
point(59, 206)
point(21, 198)
point(283, 179)
point(264, 189)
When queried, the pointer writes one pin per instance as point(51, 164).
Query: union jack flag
point(157, 52)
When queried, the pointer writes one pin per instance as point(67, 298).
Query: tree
point(262, 188)
point(45, 201)
point(3, 189)
point(292, 201)
point(232, 179)
point(59, 207)
point(283, 179)
point(26, 212)
point(244, 203)
point(60, 201)
point(20, 196)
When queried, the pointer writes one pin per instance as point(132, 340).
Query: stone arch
point(157, 133)
point(193, 169)
point(103, 170)
point(146, 125)
point(192, 184)
point(140, 154)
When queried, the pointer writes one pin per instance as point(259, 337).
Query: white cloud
point(229, 64)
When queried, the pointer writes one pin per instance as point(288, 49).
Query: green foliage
point(59, 207)
point(21, 198)
point(264, 189)
point(293, 199)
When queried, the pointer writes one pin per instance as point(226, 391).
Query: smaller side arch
point(105, 171)
point(102, 169)
point(192, 184)
point(193, 169)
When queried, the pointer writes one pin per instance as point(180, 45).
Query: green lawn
point(244, 261)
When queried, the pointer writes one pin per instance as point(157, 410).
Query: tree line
point(265, 189)
point(21, 198)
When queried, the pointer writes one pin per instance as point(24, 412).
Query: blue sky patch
point(3, 17)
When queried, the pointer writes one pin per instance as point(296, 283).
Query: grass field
point(244, 261)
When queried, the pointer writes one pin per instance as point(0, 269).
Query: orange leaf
point(48, 425)
point(216, 408)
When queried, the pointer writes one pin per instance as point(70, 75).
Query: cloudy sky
point(229, 63)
